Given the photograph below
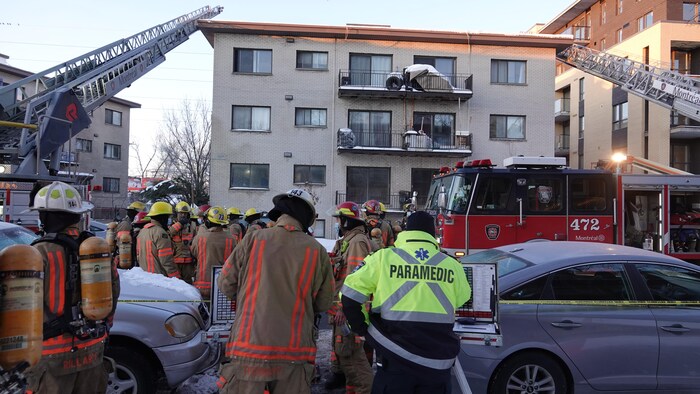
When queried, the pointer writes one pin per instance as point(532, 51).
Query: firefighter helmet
point(217, 215)
point(372, 207)
point(251, 215)
point(234, 211)
point(60, 197)
point(141, 218)
point(300, 194)
point(203, 209)
point(160, 208)
point(348, 209)
point(182, 207)
point(136, 206)
point(382, 207)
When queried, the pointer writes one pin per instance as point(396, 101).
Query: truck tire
point(134, 374)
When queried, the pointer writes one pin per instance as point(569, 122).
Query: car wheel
point(133, 374)
point(530, 373)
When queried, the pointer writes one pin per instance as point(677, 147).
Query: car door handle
point(675, 328)
point(566, 324)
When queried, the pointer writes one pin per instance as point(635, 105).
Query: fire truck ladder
point(667, 88)
point(57, 99)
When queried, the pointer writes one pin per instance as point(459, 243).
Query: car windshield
point(506, 262)
point(15, 235)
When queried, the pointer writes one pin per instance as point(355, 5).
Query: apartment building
point(595, 118)
point(342, 111)
point(98, 154)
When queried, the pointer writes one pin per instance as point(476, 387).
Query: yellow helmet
point(183, 207)
point(234, 211)
point(252, 215)
point(160, 208)
point(137, 206)
point(382, 207)
point(217, 215)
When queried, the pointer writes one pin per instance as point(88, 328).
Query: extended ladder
point(665, 87)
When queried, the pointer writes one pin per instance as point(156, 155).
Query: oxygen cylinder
point(111, 235)
point(125, 251)
point(21, 305)
point(95, 278)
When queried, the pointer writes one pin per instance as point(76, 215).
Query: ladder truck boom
point(53, 104)
point(664, 87)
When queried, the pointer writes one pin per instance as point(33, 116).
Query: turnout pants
point(350, 353)
point(252, 378)
point(43, 380)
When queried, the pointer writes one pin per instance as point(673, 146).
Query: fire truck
point(480, 206)
point(42, 112)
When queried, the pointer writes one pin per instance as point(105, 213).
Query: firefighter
point(73, 347)
point(211, 248)
point(252, 217)
point(155, 248)
point(124, 227)
point(235, 228)
point(349, 252)
point(181, 232)
point(373, 212)
point(280, 279)
point(140, 221)
point(413, 310)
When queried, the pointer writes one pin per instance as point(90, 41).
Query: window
point(593, 282)
point(493, 194)
point(619, 36)
point(312, 60)
point(507, 127)
point(367, 183)
point(420, 183)
point(439, 127)
point(255, 61)
point(369, 70)
point(113, 117)
point(250, 118)
point(620, 115)
point(110, 185)
point(680, 61)
point(603, 12)
point(320, 228)
point(545, 194)
point(508, 71)
point(310, 174)
point(581, 126)
point(445, 65)
point(581, 89)
point(371, 128)
point(619, 7)
point(645, 21)
point(690, 12)
point(254, 176)
point(669, 283)
point(113, 151)
point(310, 117)
point(588, 194)
point(680, 156)
point(83, 145)
point(603, 45)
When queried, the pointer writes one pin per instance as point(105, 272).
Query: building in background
point(595, 118)
point(334, 109)
point(98, 154)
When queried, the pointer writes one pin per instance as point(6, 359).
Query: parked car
point(11, 234)
point(98, 228)
point(589, 317)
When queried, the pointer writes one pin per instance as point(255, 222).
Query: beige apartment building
point(595, 118)
point(98, 154)
point(337, 110)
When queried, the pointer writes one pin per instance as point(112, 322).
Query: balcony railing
point(392, 85)
point(404, 141)
point(563, 142)
point(391, 201)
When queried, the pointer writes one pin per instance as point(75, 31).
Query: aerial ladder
point(52, 106)
point(665, 87)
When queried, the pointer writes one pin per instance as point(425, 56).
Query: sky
point(39, 34)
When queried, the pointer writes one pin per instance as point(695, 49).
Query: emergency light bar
point(479, 163)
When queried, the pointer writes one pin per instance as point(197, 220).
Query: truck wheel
point(133, 375)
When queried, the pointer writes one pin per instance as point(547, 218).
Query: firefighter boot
point(336, 381)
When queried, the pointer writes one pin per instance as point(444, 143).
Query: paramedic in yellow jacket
point(72, 355)
point(211, 247)
point(182, 231)
point(280, 279)
point(415, 290)
point(154, 246)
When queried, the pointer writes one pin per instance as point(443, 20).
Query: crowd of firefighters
point(280, 277)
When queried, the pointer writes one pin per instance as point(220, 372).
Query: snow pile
point(137, 277)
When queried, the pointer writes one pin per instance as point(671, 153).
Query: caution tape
point(594, 303)
point(139, 301)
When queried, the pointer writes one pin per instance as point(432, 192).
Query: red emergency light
point(444, 170)
point(479, 163)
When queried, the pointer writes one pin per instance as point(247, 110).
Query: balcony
point(683, 127)
point(365, 84)
point(580, 33)
point(562, 147)
point(392, 202)
point(404, 143)
point(562, 110)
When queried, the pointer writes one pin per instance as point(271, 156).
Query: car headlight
point(182, 325)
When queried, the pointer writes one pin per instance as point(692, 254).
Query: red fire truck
point(479, 206)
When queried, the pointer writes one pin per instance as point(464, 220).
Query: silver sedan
point(588, 318)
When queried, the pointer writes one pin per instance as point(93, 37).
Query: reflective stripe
point(65, 344)
point(202, 257)
point(56, 278)
point(304, 284)
point(435, 260)
point(221, 382)
point(176, 227)
point(250, 350)
point(354, 294)
point(165, 252)
point(150, 259)
point(183, 260)
point(228, 249)
point(253, 283)
point(174, 275)
point(405, 354)
point(187, 237)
